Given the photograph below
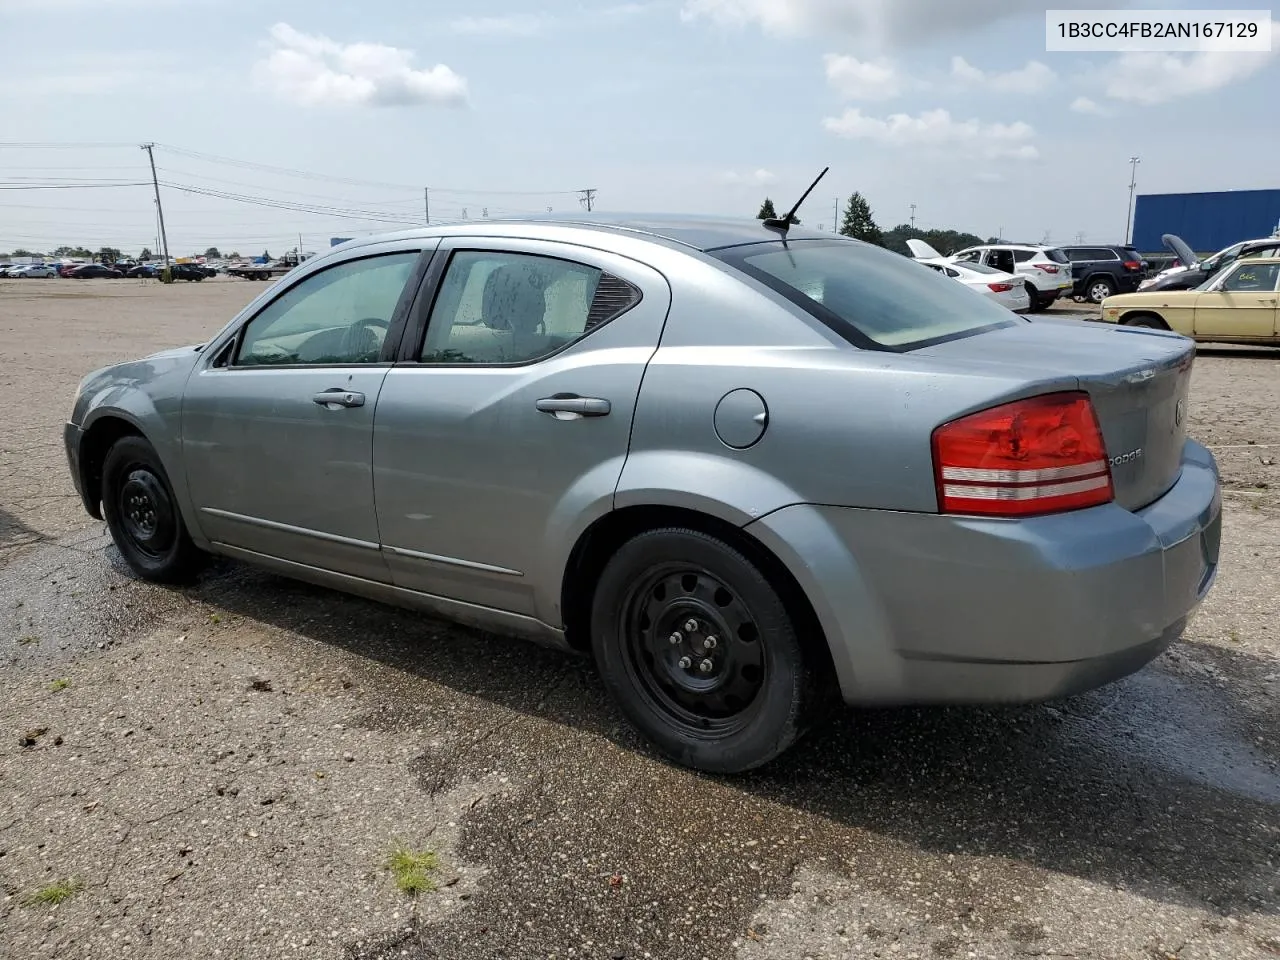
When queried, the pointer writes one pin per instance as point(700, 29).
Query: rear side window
point(496, 307)
point(1057, 256)
point(1022, 256)
point(873, 297)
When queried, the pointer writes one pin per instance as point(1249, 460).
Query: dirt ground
point(224, 771)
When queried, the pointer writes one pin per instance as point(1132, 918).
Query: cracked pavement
point(225, 769)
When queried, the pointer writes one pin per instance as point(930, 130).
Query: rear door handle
point(570, 406)
point(336, 396)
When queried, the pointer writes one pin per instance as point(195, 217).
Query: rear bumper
point(956, 610)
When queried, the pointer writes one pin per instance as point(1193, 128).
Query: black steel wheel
point(700, 652)
point(143, 516)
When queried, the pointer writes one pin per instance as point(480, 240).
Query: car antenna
point(784, 223)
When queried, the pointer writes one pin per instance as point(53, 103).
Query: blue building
point(1206, 221)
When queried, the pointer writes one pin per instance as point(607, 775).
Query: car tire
point(1037, 301)
point(755, 696)
point(1148, 320)
point(143, 515)
point(1099, 289)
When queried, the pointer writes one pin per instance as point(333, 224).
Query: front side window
point(340, 315)
point(1252, 278)
point(873, 297)
point(499, 308)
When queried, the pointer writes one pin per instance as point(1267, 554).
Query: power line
point(309, 175)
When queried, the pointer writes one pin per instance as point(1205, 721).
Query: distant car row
point(88, 271)
point(1043, 273)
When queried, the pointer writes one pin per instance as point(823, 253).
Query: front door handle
point(337, 397)
point(1271, 302)
point(570, 406)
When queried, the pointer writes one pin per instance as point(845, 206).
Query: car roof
point(698, 232)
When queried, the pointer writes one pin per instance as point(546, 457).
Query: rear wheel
point(699, 652)
point(143, 517)
point(1099, 289)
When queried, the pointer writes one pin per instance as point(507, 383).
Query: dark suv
point(1103, 270)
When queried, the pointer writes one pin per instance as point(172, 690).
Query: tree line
point(112, 254)
point(859, 223)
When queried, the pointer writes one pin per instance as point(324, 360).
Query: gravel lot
point(224, 771)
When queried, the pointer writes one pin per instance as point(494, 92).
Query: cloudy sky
point(509, 106)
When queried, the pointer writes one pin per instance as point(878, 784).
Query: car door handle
point(570, 406)
point(1270, 302)
point(338, 396)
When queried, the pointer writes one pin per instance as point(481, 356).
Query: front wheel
point(699, 652)
point(143, 517)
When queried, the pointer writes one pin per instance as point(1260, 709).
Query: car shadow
point(1162, 783)
point(1240, 352)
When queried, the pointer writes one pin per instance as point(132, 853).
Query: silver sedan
point(747, 467)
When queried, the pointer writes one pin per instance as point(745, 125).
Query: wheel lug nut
point(675, 638)
point(706, 665)
point(685, 663)
point(690, 625)
point(709, 643)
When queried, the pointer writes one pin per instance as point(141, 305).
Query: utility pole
point(164, 240)
point(835, 216)
point(426, 204)
point(1133, 182)
point(588, 198)
point(913, 216)
point(1080, 237)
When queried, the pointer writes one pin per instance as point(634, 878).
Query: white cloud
point(755, 178)
point(876, 23)
point(856, 79)
point(1035, 77)
point(1085, 105)
point(516, 25)
point(533, 24)
point(1151, 78)
point(313, 70)
point(937, 128)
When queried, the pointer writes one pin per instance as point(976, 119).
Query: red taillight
point(1041, 455)
point(1000, 287)
point(1132, 265)
point(1046, 267)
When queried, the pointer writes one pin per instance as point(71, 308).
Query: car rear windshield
point(873, 297)
point(1056, 255)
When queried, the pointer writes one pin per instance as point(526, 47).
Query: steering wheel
point(358, 339)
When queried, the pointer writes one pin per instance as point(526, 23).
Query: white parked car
point(29, 270)
point(1045, 270)
point(1007, 289)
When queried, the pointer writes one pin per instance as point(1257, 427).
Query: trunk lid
point(1137, 379)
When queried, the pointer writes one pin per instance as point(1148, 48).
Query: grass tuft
point(59, 685)
point(411, 870)
point(55, 893)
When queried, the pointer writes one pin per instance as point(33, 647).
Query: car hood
point(1178, 247)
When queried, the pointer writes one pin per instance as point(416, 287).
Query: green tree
point(109, 255)
point(146, 254)
point(766, 210)
point(63, 251)
point(24, 252)
point(946, 242)
point(233, 255)
point(213, 254)
point(858, 221)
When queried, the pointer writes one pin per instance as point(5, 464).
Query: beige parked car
point(1237, 305)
